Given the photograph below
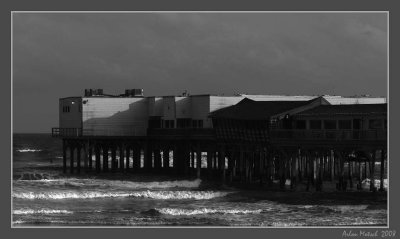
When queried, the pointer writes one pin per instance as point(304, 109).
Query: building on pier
point(243, 138)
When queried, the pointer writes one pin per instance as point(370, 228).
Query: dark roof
point(248, 109)
point(346, 109)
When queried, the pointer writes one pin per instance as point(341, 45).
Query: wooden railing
point(66, 132)
point(182, 132)
point(335, 135)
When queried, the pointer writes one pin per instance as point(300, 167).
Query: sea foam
point(41, 211)
point(200, 211)
point(111, 183)
point(163, 195)
point(28, 150)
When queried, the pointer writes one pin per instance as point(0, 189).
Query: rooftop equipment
point(133, 92)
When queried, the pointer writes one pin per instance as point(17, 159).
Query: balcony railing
point(334, 135)
point(181, 132)
point(66, 132)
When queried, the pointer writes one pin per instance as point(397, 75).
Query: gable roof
point(346, 109)
point(248, 109)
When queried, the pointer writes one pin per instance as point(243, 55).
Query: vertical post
point(64, 156)
point(365, 170)
point(321, 172)
point(137, 154)
point(148, 157)
point(127, 157)
point(185, 159)
point(113, 158)
point(318, 169)
point(222, 166)
point(198, 160)
point(90, 153)
point(332, 165)
point(359, 175)
point(191, 164)
point(121, 158)
point(105, 158)
point(71, 159)
point(97, 155)
point(166, 159)
point(282, 170)
point(350, 173)
point(241, 163)
point(372, 172)
point(293, 171)
point(85, 157)
point(78, 159)
point(308, 166)
point(209, 162)
point(382, 170)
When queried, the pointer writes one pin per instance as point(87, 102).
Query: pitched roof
point(248, 109)
point(346, 109)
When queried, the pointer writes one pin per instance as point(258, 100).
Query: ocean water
point(43, 196)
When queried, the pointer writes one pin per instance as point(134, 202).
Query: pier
point(241, 139)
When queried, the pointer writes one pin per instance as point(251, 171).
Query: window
point(168, 124)
point(315, 124)
point(183, 123)
point(197, 123)
point(344, 124)
point(375, 124)
point(66, 109)
point(329, 124)
point(300, 124)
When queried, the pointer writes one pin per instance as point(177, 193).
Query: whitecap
point(28, 150)
point(41, 211)
point(121, 184)
point(189, 212)
point(162, 195)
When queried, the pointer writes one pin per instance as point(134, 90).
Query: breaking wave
point(28, 150)
point(41, 211)
point(47, 179)
point(35, 176)
point(190, 212)
point(175, 195)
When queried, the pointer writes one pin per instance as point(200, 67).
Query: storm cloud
point(60, 54)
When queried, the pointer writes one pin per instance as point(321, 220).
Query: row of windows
point(341, 124)
point(67, 108)
point(183, 123)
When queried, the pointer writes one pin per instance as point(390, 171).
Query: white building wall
point(339, 100)
point(115, 116)
point(183, 107)
point(169, 108)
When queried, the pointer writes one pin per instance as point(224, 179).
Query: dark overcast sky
point(57, 55)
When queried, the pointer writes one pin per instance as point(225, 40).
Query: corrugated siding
point(72, 119)
point(115, 116)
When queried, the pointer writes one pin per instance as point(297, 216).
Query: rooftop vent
point(93, 92)
point(133, 92)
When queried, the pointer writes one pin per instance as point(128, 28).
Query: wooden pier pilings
point(286, 168)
